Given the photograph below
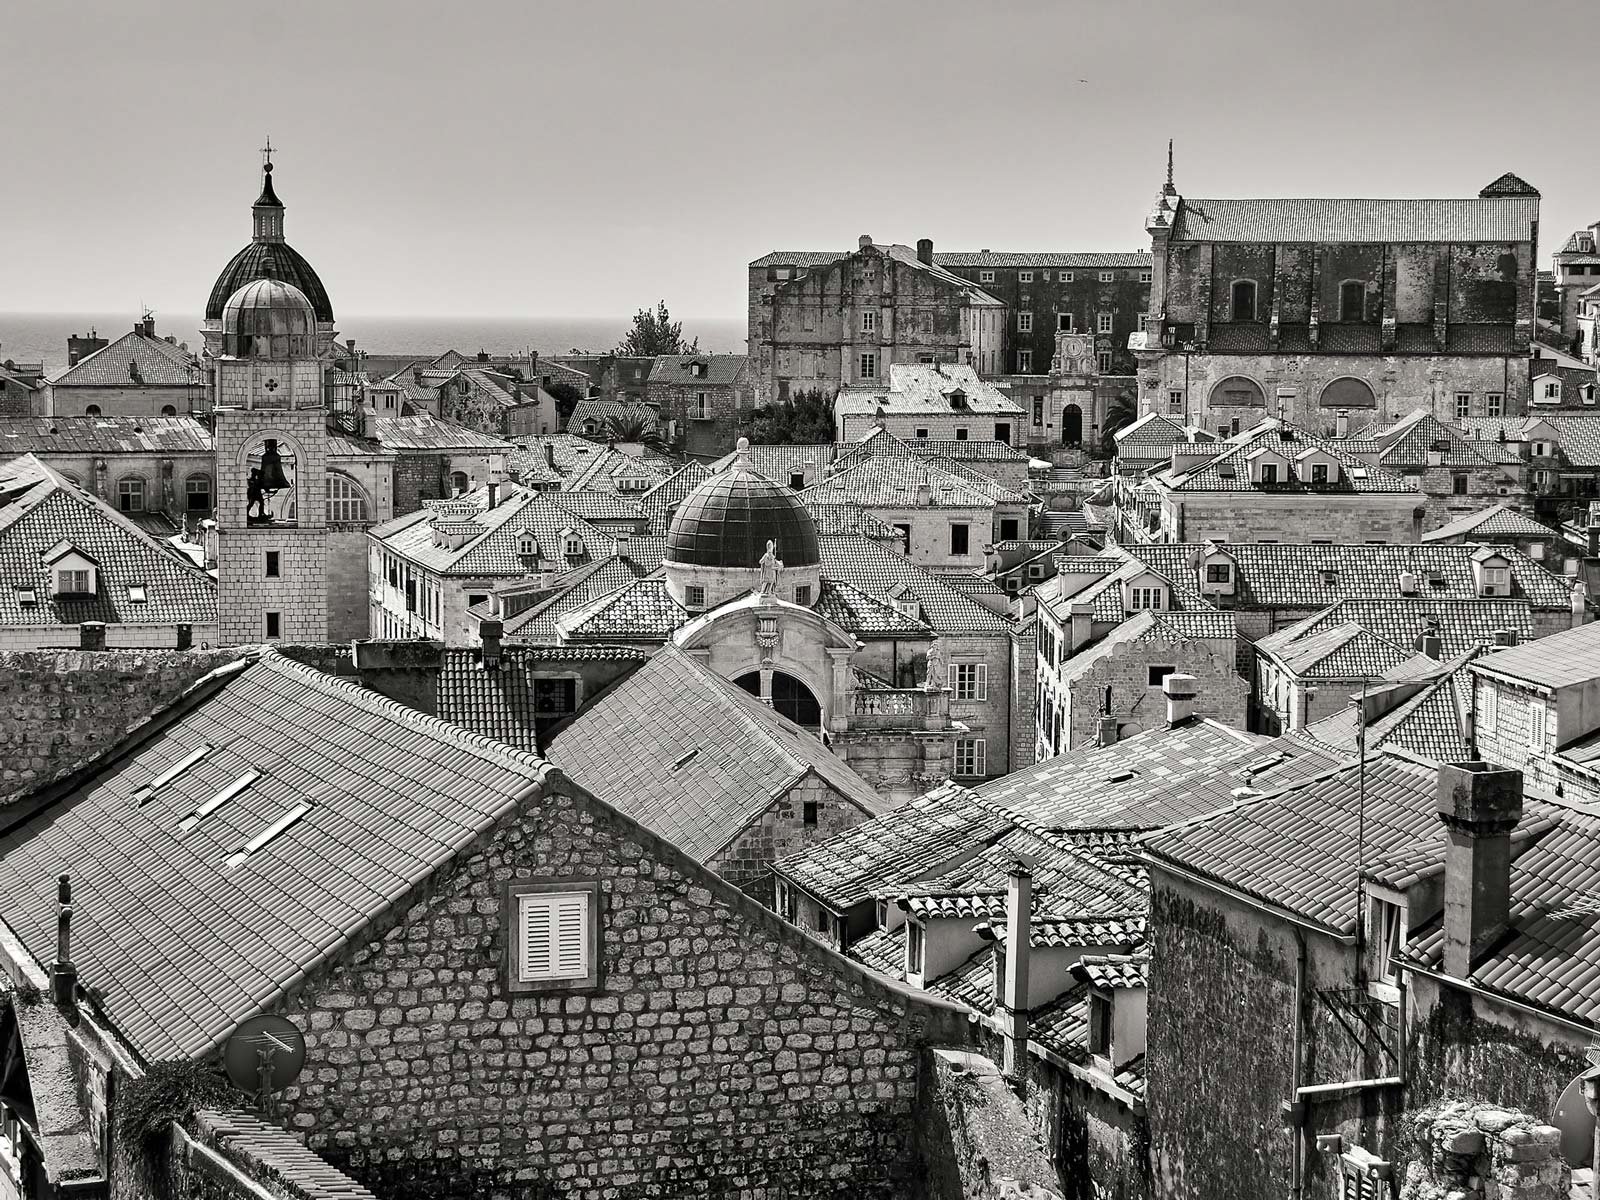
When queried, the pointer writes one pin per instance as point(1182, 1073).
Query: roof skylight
point(217, 801)
point(257, 843)
point(143, 793)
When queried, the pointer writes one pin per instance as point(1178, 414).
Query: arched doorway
point(1072, 426)
point(789, 696)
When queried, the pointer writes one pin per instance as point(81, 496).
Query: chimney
point(1580, 603)
point(1014, 996)
point(1594, 538)
point(494, 493)
point(924, 495)
point(621, 540)
point(406, 672)
point(1080, 626)
point(64, 972)
point(490, 633)
point(1341, 423)
point(416, 376)
point(1504, 638)
point(925, 251)
point(1105, 731)
point(148, 326)
point(1180, 691)
point(1430, 643)
point(92, 635)
point(864, 241)
point(1480, 804)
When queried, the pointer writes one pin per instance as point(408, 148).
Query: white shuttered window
point(554, 928)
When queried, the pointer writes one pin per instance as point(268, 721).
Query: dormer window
point(72, 572)
point(1219, 572)
point(136, 593)
point(1151, 597)
point(27, 597)
point(571, 544)
point(958, 399)
point(527, 545)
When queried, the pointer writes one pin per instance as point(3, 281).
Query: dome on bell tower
point(268, 256)
point(270, 319)
point(728, 519)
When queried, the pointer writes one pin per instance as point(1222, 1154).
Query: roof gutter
point(1261, 906)
point(521, 796)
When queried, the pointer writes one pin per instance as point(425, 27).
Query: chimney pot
point(1432, 645)
point(1479, 804)
point(63, 972)
point(1105, 733)
point(494, 493)
point(925, 251)
point(1080, 629)
point(1180, 691)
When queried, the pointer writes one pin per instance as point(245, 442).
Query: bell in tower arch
point(266, 480)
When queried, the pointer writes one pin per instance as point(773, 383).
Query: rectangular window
point(555, 935)
point(1024, 276)
point(797, 481)
point(73, 583)
point(971, 681)
point(869, 320)
point(1008, 529)
point(1463, 405)
point(1024, 322)
point(1064, 322)
point(1065, 276)
point(1494, 404)
point(130, 495)
point(869, 366)
point(1108, 276)
point(808, 812)
point(1145, 277)
point(821, 921)
point(273, 625)
point(1099, 1025)
point(971, 757)
point(1157, 675)
point(1218, 572)
point(923, 434)
point(905, 538)
point(1103, 362)
point(1388, 936)
point(1319, 472)
point(1536, 719)
point(1174, 400)
point(694, 596)
point(1488, 709)
point(272, 564)
point(985, 276)
point(1148, 597)
point(958, 539)
point(914, 947)
point(553, 699)
point(1038, 410)
point(1269, 472)
point(802, 593)
point(1458, 485)
point(1024, 362)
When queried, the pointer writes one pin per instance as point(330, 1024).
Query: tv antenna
point(265, 1055)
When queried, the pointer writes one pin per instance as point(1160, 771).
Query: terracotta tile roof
point(929, 833)
point(669, 493)
point(884, 481)
point(1498, 520)
point(1107, 786)
point(641, 611)
point(1229, 469)
point(777, 460)
point(721, 370)
point(537, 625)
point(103, 435)
point(1578, 434)
point(602, 471)
point(1297, 849)
point(705, 758)
point(1151, 433)
point(599, 506)
point(39, 510)
point(979, 451)
point(1459, 624)
point(875, 569)
point(416, 434)
point(1194, 623)
point(272, 1152)
point(884, 950)
point(1504, 219)
point(1048, 258)
point(1265, 767)
point(493, 551)
point(984, 906)
point(1559, 660)
point(1284, 575)
point(1111, 971)
point(185, 945)
point(799, 258)
point(952, 454)
point(158, 363)
point(1062, 1026)
point(864, 614)
point(600, 412)
point(1409, 442)
point(971, 983)
point(502, 703)
point(915, 388)
point(1341, 651)
point(847, 518)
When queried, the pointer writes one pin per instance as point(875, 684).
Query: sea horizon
point(27, 337)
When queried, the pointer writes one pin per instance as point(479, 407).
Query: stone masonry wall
point(721, 1053)
point(58, 708)
point(782, 831)
point(1139, 704)
point(1478, 1152)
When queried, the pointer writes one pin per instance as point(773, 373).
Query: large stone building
point(1577, 273)
point(137, 375)
point(1301, 308)
point(826, 321)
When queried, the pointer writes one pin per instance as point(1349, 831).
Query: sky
point(547, 158)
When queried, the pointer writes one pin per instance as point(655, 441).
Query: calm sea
point(42, 337)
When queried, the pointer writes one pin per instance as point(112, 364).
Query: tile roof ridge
point(377, 703)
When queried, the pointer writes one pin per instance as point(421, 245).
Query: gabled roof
point(890, 481)
point(158, 363)
point(1106, 787)
point(40, 510)
point(1409, 442)
point(103, 435)
point(185, 945)
point(1399, 622)
point(705, 759)
point(917, 389)
point(1430, 723)
point(1498, 520)
point(425, 433)
point(1228, 470)
point(1578, 434)
point(1152, 434)
point(499, 702)
point(971, 258)
point(602, 412)
point(669, 493)
point(537, 625)
point(493, 551)
point(721, 370)
point(875, 569)
point(1559, 660)
point(1284, 575)
point(599, 506)
point(1503, 219)
point(776, 461)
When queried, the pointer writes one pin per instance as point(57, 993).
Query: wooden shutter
point(554, 928)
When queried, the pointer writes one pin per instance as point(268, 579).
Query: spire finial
point(266, 158)
point(1171, 188)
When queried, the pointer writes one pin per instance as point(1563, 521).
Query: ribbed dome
point(269, 260)
point(727, 520)
point(268, 319)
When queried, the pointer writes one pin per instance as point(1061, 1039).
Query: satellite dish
point(1576, 1122)
point(266, 1053)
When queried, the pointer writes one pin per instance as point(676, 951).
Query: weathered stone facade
point(781, 831)
point(1133, 672)
point(1478, 1152)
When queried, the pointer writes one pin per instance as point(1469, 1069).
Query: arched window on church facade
point(347, 503)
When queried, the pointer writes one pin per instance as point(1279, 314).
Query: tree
point(566, 396)
point(1119, 412)
point(635, 427)
point(806, 417)
point(655, 333)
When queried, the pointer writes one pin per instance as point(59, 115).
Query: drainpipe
point(1297, 1105)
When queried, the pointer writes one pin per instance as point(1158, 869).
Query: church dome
point(268, 256)
point(727, 521)
point(269, 319)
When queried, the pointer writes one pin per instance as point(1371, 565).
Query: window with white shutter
point(554, 935)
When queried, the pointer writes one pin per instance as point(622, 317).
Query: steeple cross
point(266, 153)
